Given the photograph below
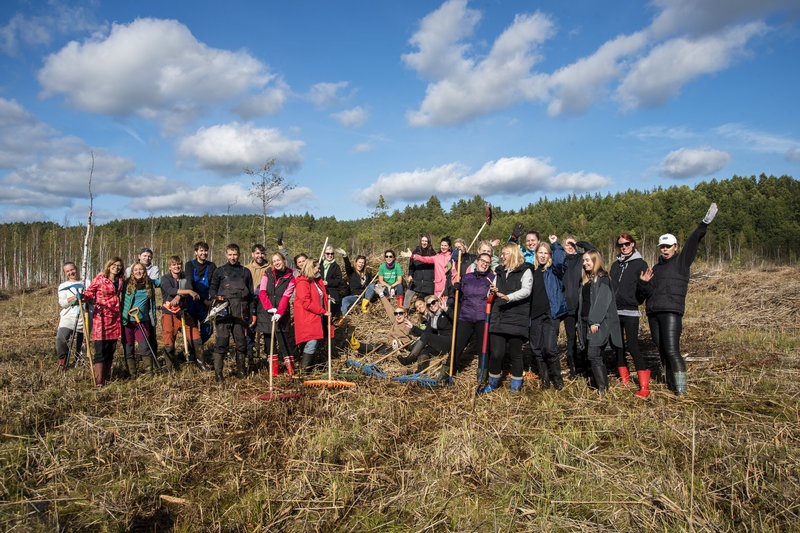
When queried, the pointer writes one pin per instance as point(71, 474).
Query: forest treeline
point(759, 218)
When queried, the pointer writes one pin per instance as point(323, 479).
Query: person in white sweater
point(70, 322)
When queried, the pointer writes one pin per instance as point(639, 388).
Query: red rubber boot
point(644, 384)
point(624, 375)
point(400, 300)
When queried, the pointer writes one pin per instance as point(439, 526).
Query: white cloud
point(21, 135)
point(708, 16)
point(761, 141)
point(660, 75)
point(511, 175)
point(152, 68)
point(363, 147)
point(15, 195)
point(326, 94)
point(689, 162)
point(216, 199)
point(22, 215)
point(651, 132)
point(37, 30)
point(473, 86)
point(269, 102)
point(352, 118)
point(579, 85)
point(227, 148)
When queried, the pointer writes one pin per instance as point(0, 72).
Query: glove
point(457, 285)
point(517, 233)
point(280, 239)
point(454, 255)
point(276, 317)
point(272, 310)
point(219, 299)
point(341, 252)
point(391, 293)
point(712, 212)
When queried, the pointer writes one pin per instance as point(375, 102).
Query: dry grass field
point(180, 453)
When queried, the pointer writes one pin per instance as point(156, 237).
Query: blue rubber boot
point(680, 383)
point(516, 384)
point(494, 384)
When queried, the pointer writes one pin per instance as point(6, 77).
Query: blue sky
point(511, 100)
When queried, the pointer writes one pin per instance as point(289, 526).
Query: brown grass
point(179, 453)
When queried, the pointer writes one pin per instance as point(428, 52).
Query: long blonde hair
point(515, 258)
point(549, 263)
point(597, 267)
point(130, 286)
point(308, 268)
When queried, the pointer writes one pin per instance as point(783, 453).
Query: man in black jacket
point(232, 283)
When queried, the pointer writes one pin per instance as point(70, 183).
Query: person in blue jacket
point(548, 305)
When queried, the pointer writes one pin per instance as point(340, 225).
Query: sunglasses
point(432, 304)
point(399, 313)
point(623, 244)
point(388, 256)
point(569, 244)
point(328, 253)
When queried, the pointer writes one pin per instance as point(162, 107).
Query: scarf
point(325, 266)
point(390, 266)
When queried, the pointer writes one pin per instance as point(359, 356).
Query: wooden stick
point(357, 299)
point(476, 236)
point(185, 341)
point(322, 253)
point(86, 338)
point(455, 319)
point(330, 376)
point(271, 352)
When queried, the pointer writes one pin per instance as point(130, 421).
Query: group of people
point(500, 303)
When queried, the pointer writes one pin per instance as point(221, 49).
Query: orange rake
point(273, 393)
point(330, 382)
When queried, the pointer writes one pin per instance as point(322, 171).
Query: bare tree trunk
point(86, 241)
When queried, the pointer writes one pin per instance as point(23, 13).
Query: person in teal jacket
point(139, 292)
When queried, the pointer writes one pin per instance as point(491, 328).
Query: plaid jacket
point(106, 322)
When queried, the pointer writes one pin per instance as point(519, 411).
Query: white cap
point(667, 239)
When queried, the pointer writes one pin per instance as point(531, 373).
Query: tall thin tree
point(86, 237)
point(267, 186)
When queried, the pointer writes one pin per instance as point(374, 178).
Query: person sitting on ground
point(175, 288)
point(139, 293)
point(437, 336)
point(70, 322)
point(390, 278)
point(359, 281)
point(146, 257)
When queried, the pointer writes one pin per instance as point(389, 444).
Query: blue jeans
point(347, 301)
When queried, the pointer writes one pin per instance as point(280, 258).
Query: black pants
point(285, 345)
point(104, 351)
point(499, 345)
point(666, 330)
point(226, 328)
point(544, 339)
point(465, 331)
point(629, 326)
point(62, 341)
point(576, 359)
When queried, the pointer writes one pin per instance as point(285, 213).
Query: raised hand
point(710, 214)
point(646, 275)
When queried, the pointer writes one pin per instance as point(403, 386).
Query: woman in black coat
point(576, 359)
point(625, 272)
point(332, 276)
point(598, 323)
point(665, 286)
point(420, 275)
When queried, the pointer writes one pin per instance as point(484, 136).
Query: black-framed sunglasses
point(623, 244)
point(432, 304)
point(569, 243)
point(399, 313)
point(388, 257)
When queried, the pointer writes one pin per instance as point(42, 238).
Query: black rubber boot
point(555, 374)
point(147, 361)
point(240, 368)
point(543, 374)
point(170, 358)
point(600, 375)
point(219, 362)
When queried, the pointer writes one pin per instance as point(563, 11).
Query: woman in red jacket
point(311, 306)
point(106, 325)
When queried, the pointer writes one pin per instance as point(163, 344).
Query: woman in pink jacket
point(440, 263)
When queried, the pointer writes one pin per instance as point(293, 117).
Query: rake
point(423, 378)
point(134, 314)
point(330, 383)
point(371, 369)
point(273, 393)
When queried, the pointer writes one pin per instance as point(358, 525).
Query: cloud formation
point(217, 199)
point(39, 29)
point(352, 118)
point(326, 94)
point(761, 141)
point(685, 40)
point(227, 148)
point(152, 68)
point(510, 175)
point(690, 162)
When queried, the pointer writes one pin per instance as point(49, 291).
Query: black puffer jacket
point(422, 274)
point(572, 277)
point(510, 318)
point(354, 278)
point(334, 281)
point(666, 292)
point(625, 280)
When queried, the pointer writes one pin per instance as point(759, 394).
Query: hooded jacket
point(625, 282)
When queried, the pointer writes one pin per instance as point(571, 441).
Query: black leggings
point(576, 359)
point(500, 343)
point(629, 326)
point(464, 333)
point(544, 339)
point(666, 330)
point(104, 351)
